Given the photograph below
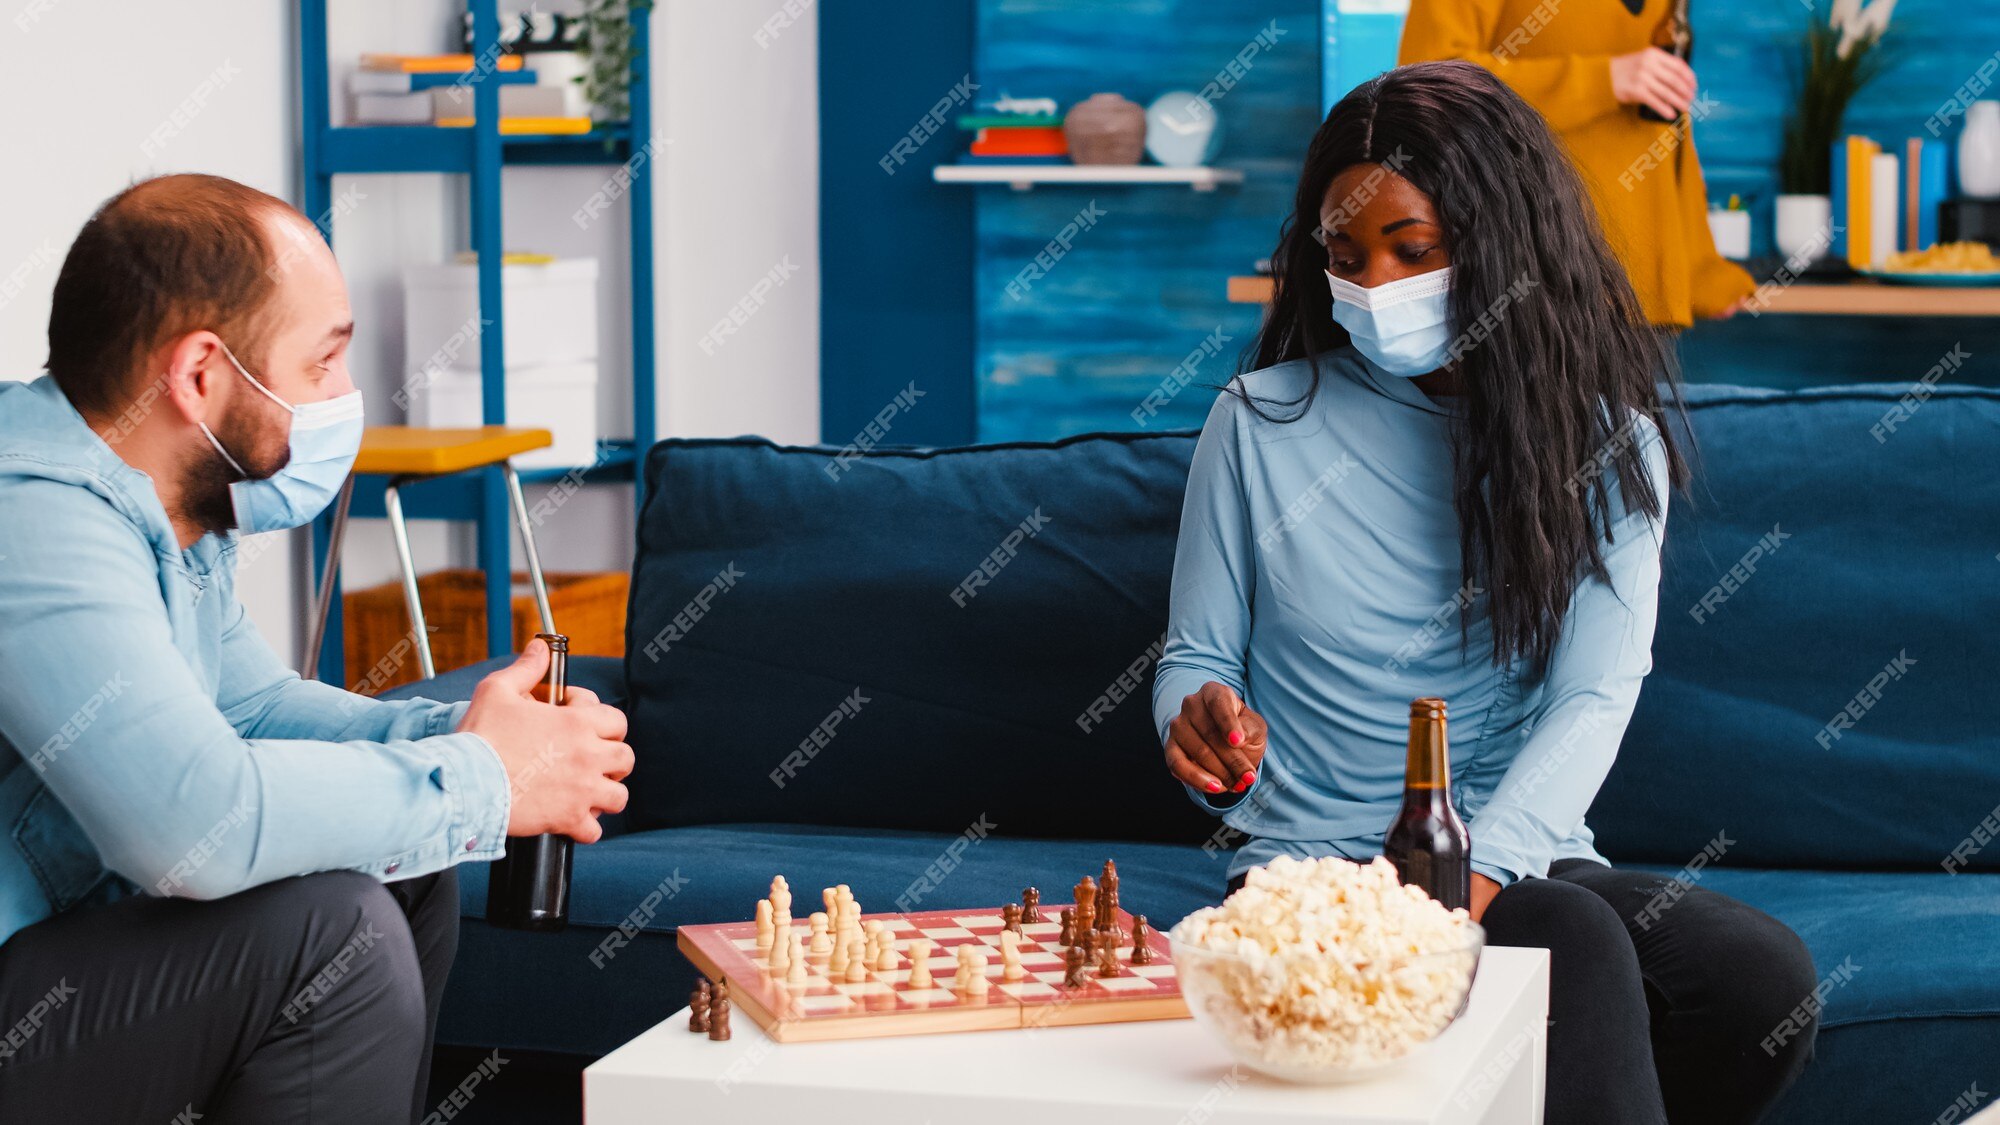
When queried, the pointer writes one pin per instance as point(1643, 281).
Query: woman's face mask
point(325, 437)
point(1403, 327)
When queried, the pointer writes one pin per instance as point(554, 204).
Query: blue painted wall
point(1143, 287)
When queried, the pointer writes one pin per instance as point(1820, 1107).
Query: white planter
point(1804, 229)
point(1979, 151)
point(1731, 231)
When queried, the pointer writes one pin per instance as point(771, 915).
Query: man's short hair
point(165, 257)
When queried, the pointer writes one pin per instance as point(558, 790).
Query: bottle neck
point(1427, 774)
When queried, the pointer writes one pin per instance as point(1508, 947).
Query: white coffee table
point(1487, 1068)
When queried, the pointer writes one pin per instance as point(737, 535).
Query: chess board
point(884, 1004)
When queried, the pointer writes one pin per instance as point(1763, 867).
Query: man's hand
point(1483, 890)
point(564, 764)
point(1215, 737)
point(1653, 78)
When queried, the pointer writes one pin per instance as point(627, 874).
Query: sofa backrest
point(907, 640)
point(1824, 668)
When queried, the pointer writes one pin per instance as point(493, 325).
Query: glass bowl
point(1319, 1017)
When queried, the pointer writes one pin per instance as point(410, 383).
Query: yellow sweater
point(1644, 174)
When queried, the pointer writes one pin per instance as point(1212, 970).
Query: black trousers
point(1667, 1002)
point(311, 999)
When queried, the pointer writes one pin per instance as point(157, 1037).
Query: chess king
point(1446, 472)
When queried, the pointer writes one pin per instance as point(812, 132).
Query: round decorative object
point(1105, 129)
point(1979, 151)
point(1182, 129)
point(1804, 230)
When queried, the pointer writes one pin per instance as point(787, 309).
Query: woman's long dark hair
point(1568, 355)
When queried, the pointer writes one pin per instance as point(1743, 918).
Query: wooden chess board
point(884, 1004)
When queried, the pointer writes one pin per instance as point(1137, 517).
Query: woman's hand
point(1653, 78)
point(1215, 737)
point(1483, 890)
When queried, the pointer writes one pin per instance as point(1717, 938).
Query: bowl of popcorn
point(1324, 970)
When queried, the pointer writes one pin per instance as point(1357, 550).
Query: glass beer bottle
point(1427, 842)
point(528, 888)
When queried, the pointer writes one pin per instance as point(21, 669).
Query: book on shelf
point(1027, 141)
point(1853, 199)
point(432, 64)
point(975, 121)
point(447, 104)
point(405, 82)
point(528, 126)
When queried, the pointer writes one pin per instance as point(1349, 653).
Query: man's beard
point(206, 477)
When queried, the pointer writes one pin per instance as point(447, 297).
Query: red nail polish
point(1249, 778)
point(1214, 786)
point(1236, 738)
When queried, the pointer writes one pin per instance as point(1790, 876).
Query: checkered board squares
point(884, 1004)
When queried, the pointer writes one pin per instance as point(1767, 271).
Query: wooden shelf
point(1023, 177)
point(1841, 298)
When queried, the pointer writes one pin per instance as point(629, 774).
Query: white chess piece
point(920, 963)
point(973, 965)
point(831, 897)
point(764, 923)
point(781, 953)
point(857, 965)
point(1010, 956)
point(795, 971)
point(885, 961)
point(822, 942)
point(836, 965)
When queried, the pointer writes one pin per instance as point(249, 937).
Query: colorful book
point(520, 126)
point(1034, 141)
point(403, 82)
point(1883, 194)
point(432, 64)
point(973, 121)
point(1853, 202)
point(1928, 188)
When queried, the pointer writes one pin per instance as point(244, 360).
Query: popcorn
point(1326, 964)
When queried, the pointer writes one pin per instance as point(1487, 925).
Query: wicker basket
point(589, 607)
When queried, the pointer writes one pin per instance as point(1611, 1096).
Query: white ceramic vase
point(1979, 151)
point(1804, 228)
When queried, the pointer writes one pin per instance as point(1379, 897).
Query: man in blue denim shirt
point(224, 890)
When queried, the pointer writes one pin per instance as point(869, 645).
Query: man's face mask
point(325, 436)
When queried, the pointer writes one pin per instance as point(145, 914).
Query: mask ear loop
point(268, 392)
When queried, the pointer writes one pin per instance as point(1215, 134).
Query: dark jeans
point(306, 1000)
point(1660, 1009)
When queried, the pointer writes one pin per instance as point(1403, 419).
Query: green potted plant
point(1838, 58)
point(609, 46)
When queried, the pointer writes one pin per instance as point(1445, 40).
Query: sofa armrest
point(604, 675)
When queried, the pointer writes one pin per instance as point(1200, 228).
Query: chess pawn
point(821, 942)
point(795, 970)
point(764, 923)
point(836, 965)
point(1107, 956)
point(718, 1014)
point(885, 960)
point(977, 983)
point(857, 962)
point(1068, 936)
point(1142, 945)
point(1031, 906)
point(920, 963)
point(1010, 919)
point(698, 1005)
point(781, 953)
point(1075, 965)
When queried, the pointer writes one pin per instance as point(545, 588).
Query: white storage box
point(558, 397)
point(550, 313)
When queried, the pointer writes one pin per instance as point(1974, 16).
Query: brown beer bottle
point(528, 888)
point(1427, 842)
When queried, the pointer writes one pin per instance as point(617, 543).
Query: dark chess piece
point(1076, 967)
point(1142, 948)
point(1086, 940)
point(1086, 902)
point(1010, 917)
point(1068, 926)
point(718, 1014)
point(1107, 909)
point(1031, 906)
point(1107, 956)
point(698, 1005)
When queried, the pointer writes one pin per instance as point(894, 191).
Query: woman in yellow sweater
point(1589, 67)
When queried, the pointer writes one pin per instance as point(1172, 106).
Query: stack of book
point(1884, 202)
point(1015, 138)
point(439, 90)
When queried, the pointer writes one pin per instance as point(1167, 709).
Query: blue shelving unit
point(480, 153)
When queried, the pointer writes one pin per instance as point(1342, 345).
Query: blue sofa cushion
point(1883, 550)
point(810, 642)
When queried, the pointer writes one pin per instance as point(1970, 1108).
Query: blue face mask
point(325, 437)
point(1403, 327)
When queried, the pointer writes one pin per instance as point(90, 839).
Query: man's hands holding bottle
point(565, 765)
point(1216, 743)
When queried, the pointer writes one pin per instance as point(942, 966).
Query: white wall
point(736, 198)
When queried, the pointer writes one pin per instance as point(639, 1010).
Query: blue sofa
point(943, 618)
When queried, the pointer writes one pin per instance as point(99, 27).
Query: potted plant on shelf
point(1839, 57)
